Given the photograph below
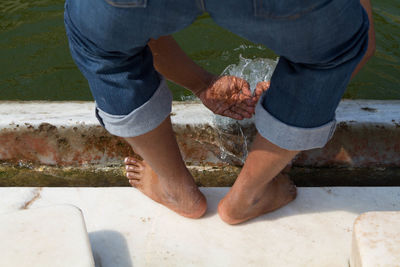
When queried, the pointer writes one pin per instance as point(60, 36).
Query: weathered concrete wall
point(68, 134)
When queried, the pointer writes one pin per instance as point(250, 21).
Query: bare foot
point(242, 205)
point(179, 194)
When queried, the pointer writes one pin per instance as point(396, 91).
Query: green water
point(35, 63)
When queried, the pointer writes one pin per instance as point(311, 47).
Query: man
point(119, 44)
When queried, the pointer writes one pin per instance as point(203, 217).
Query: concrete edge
point(68, 134)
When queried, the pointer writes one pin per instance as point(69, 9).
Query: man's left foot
point(241, 204)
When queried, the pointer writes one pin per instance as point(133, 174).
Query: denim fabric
point(320, 42)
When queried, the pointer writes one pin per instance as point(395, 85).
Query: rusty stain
point(47, 127)
point(343, 125)
point(343, 156)
point(33, 199)
point(357, 145)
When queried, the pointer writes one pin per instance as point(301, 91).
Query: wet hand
point(261, 87)
point(229, 96)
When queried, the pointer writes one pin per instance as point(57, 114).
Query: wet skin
point(163, 177)
point(234, 208)
point(186, 201)
point(255, 192)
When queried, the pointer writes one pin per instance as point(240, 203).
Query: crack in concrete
point(33, 199)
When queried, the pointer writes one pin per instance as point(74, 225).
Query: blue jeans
point(320, 42)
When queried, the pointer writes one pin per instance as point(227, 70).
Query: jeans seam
point(142, 4)
point(260, 12)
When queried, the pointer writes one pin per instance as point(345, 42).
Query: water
point(252, 70)
point(35, 62)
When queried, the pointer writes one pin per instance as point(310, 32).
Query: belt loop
point(201, 5)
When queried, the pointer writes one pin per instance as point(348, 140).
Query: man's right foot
point(179, 194)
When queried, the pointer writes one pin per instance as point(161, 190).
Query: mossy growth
point(100, 176)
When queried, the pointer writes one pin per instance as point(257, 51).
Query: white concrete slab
point(17, 198)
point(376, 240)
point(52, 236)
point(68, 113)
point(127, 229)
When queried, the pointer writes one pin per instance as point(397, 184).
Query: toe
point(141, 165)
point(130, 160)
point(133, 168)
point(134, 183)
point(133, 175)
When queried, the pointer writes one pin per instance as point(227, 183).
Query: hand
point(229, 96)
point(261, 87)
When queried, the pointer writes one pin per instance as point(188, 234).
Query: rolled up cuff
point(291, 137)
point(143, 119)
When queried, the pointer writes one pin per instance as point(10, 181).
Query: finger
point(245, 100)
point(247, 105)
point(261, 87)
point(241, 112)
point(245, 108)
point(258, 92)
point(245, 88)
point(256, 98)
point(231, 114)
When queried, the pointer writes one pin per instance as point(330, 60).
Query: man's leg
point(108, 41)
point(320, 44)
point(167, 181)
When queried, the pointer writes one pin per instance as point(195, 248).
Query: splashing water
point(253, 71)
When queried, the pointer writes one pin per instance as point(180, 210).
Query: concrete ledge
point(128, 229)
point(67, 134)
point(376, 240)
point(50, 236)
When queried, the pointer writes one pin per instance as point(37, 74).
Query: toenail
point(129, 160)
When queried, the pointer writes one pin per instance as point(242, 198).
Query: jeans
point(320, 42)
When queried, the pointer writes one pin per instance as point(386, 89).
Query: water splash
point(253, 71)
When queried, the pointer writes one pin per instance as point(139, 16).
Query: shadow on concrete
point(355, 200)
point(110, 249)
